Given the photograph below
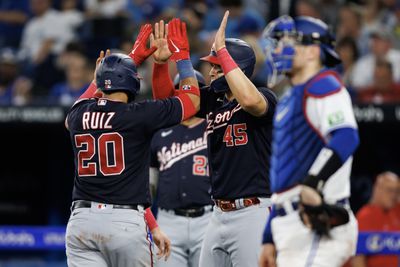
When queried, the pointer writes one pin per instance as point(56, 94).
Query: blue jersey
point(239, 146)
point(304, 119)
point(111, 145)
point(180, 155)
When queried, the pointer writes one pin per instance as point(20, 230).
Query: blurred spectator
point(106, 24)
point(380, 214)
point(104, 8)
point(350, 24)
point(310, 8)
point(347, 50)
point(14, 89)
point(48, 31)
point(71, 17)
point(78, 78)
point(13, 15)
point(381, 47)
point(396, 27)
point(384, 89)
point(278, 8)
point(71, 49)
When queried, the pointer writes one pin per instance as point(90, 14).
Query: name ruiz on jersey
point(220, 119)
point(97, 120)
point(167, 156)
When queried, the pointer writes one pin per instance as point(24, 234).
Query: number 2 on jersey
point(108, 144)
point(237, 136)
point(200, 166)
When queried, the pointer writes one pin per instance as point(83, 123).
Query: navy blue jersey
point(111, 144)
point(180, 155)
point(239, 146)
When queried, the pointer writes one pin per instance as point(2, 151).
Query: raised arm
point(162, 85)
point(188, 91)
point(251, 100)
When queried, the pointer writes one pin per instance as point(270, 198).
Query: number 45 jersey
point(111, 144)
point(239, 146)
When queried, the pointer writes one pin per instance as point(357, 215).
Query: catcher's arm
point(341, 146)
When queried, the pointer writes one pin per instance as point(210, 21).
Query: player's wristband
point(185, 69)
point(150, 220)
point(227, 62)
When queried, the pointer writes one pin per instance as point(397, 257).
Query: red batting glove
point(178, 42)
point(139, 51)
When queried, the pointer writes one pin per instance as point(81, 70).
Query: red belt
point(236, 204)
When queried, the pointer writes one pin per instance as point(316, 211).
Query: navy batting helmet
point(199, 77)
point(117, 73)
point(314, 31)
point(241, 52)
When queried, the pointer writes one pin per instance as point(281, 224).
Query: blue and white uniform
point(311, 119)
point(179, 156)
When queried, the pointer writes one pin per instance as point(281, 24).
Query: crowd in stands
point(48, 47)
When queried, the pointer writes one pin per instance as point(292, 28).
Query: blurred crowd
point(48, 47)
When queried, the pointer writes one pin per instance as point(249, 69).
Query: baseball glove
point(321, 217)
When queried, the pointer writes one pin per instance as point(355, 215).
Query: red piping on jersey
point(319, 77)
point(306, 94)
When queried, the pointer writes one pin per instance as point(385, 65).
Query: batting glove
point(140, 51)
point(178, 42)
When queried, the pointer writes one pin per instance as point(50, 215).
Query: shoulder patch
point(325, 83)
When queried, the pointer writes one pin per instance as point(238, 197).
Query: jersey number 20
point(106, 146)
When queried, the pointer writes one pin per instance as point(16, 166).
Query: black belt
point(77, 204)
point(280, 210)
point(192, 212)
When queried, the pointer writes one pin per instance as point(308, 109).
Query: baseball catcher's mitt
point(318, 215)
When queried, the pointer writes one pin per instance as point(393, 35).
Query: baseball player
point(179, 167)
point(239, 128)
point(180, 172)
point(111, 138)
point(314, 137)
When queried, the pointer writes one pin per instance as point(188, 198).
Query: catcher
point(314, 137)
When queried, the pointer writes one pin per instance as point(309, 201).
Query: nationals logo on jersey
point(220, 119)
point(167, 156)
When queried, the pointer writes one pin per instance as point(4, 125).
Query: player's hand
point(99, 59)
point(267, 256)
point(140, 51)
point(162, 242)
point(160, 41)
point(219, 42)
point(178, 42)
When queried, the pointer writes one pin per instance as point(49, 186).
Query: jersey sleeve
point(160, 114)
point(271, 100)
point(330, 112)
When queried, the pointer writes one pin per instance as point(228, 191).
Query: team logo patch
point(107, 84)
point(336, 118)
point(102, 102)
point(186, 87)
